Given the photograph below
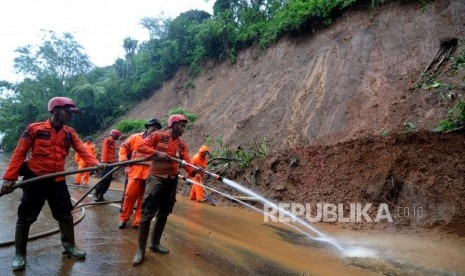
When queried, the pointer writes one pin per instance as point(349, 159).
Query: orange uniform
point(108, 156)
point(108, 150)
point(137, 174)
point(81, 163)
point(199, 160)
point(163, 142)
point(49, 150)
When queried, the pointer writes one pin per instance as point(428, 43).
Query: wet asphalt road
point(202, 242)
point(110, 250)
point(221, 240)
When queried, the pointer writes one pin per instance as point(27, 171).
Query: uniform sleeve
point(104, 156)
point(84, 154)
point(19, 155)
point(184, 154)
point(124, 150)
point(147, 148)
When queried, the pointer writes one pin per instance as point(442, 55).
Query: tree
point(58, 57)
point(181, 30)
point(51, 69)
point(130, 47)
point(157, 27)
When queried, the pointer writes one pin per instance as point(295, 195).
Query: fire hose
point(115, 166)
point(75, 205)
point(88, 169)
point(196, 168)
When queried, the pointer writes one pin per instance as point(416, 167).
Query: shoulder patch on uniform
point(164, 139)
point(25, 134)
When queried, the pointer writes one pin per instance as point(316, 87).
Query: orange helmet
point(176, 118)
point(115, 132)
point(61, 102)
point(204, 148)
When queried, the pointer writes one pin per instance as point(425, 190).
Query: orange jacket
point(108, 150)
point(163, 141)
point(139, 171)
point(90, 148)
point(49, 150)
point(200, 160)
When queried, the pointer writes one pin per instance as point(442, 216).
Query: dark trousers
point(159, 198)
point(105, 184)
point(35, 195)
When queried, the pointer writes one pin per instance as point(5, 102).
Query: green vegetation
point(454, 119)
point(458, 61)
point(243, 156)
point(138, 125)
point(129, 125)
point(59, 67)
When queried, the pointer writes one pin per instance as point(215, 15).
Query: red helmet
point(60, 102)
point(176, 118)
point(115, 132)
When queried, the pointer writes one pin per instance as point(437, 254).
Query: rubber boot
point(67, 239)
point(21, 236)
point(156, 236)
point(96, 196)
point(144, 229)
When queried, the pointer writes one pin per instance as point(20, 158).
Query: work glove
point(7, 186)
point(196, 170)
point(101, 165)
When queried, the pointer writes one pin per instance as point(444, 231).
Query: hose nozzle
point(217, 177)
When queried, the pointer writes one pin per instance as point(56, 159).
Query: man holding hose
point(49, 142)
point(136, 174)
point(160, 191)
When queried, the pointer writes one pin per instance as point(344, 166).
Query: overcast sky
point(100, 26)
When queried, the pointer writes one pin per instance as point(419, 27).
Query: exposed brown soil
point(343, 107)
point(413, 170)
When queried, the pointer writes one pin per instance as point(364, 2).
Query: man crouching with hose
point(160, 191)
point(50, 142)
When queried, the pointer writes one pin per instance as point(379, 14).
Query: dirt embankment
point(414, 172)
point(337, 102)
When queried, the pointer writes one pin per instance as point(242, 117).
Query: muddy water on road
point(232, 231)
point(222, 240)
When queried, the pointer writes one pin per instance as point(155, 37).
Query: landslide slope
point(325, 99)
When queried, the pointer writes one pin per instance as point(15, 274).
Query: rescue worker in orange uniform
point(160, 190)
point(81, 163)
point(49, 142)
point(137, 174)
point(108, 157)
point(199, 160)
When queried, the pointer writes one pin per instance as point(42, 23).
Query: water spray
point(252, 207)
point(321, 237)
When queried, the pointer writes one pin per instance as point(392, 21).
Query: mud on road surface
point(224, 240)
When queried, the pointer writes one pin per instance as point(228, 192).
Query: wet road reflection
point(221, 240)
